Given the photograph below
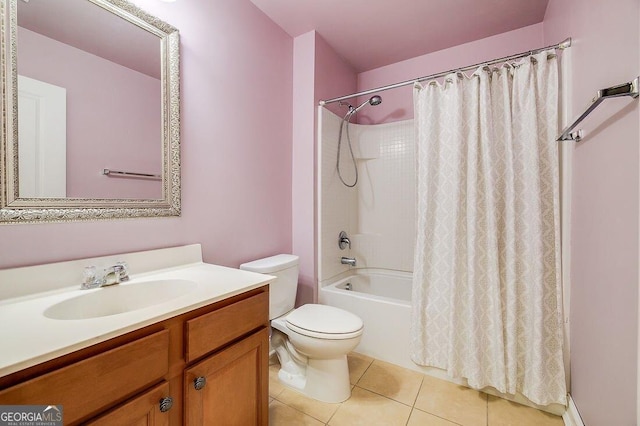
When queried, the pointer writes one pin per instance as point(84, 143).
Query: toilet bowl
point(312, 348)
point(312, 341)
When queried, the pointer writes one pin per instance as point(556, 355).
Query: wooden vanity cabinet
point(230, 387)
point(126, 379)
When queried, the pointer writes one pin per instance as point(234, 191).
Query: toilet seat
point(324, 322)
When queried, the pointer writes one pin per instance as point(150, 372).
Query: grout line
point(365, 371)
point(300, 411)
point(334, 413)
point(428, 412)
point(418, 393)
point(384, 396)
point(440, 417)
point(413, 406)
point(486, 401)
point(409, 418)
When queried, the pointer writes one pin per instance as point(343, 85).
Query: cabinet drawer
point(213, 330)
point(144, 409)
point(91, 385)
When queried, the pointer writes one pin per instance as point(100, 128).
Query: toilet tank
point(282, 291)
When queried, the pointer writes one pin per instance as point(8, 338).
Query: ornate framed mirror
point(90, 112)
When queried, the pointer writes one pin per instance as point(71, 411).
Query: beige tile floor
point(385, 394)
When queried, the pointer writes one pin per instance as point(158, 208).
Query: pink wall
point(302, 189)
point(113, 117)
point(334, 77)
point(319, 73)
point(236, 109)
point(604, 234)
point(397, 104)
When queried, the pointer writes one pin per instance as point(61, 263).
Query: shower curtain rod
point(565, 44)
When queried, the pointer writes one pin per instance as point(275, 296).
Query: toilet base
point(315, 367)
point(326, 380)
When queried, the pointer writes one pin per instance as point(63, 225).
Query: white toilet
point(312, 341)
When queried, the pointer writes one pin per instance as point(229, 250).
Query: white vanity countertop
point(28, 337)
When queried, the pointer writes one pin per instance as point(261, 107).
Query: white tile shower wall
point(379, 213)
point(383, 226)
point(336, 201)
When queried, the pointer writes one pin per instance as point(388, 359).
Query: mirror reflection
point(88, 85)
point(89, 99)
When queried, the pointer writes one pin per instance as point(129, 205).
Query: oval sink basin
point(119, 298)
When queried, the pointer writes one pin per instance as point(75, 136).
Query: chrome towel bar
point(626, 89)
point(109, 172)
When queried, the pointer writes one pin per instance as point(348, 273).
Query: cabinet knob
point(199, 382)
point(165, 404)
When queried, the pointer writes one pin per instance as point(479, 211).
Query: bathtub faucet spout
point(351, 261)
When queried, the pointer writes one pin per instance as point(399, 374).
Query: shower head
point(374, 100)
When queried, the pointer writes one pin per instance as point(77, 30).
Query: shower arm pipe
point(564, 45)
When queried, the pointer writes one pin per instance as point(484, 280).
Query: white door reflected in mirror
point(42, 133)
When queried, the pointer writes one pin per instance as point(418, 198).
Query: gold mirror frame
point(14, 209)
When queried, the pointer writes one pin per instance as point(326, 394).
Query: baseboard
point(571, 417)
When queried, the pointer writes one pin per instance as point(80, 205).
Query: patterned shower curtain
point(487, 301)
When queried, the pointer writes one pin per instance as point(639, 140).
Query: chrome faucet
point(115, 274)
point(351, 261)
point(343, 240)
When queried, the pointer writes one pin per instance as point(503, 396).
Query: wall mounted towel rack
point(109, 172)
point(627, 89)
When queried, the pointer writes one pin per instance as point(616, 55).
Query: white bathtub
point(383, 300)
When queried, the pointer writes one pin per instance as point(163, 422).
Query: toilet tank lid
point(271, 264)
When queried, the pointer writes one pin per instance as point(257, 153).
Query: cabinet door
point(233, 385)
point(95, 384)
point(143, 410)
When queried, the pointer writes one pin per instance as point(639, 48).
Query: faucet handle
point(122, 269)
point(89, 278)
point(343, 240)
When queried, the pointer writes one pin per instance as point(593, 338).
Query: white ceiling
point(372, 33)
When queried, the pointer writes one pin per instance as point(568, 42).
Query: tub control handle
point(199, 383)
point(344, 240)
